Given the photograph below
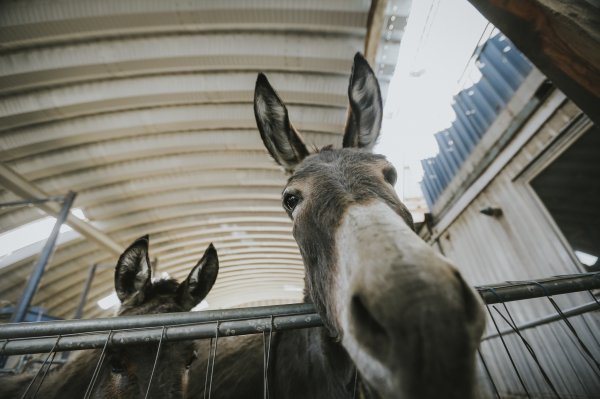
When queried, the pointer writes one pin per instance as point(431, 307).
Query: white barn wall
point(525, 244)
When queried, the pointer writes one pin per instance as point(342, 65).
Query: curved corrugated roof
point(144, 109)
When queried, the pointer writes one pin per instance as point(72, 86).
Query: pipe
point(63, 327)
point(31, 201)
point(517, 290)
point(38, 270)
point(491, 294)
point(152, 335)
point(86, 289)
point(193, 325)
point(574, 311)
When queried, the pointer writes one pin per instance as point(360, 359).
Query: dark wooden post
point(562, 38)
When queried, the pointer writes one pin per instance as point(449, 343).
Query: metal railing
point(66, 335)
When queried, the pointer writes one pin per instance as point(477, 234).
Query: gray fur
point(434, 362)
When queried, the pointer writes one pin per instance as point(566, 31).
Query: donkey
point(125, 371)
point(396, 314)
point(399, 320)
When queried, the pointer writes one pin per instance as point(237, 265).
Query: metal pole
point(491, 294)
point(153, 334)
point(30, 201)
point(191, 325)
point(86, 290)
point(517, 290)
point(574, 311)
point(38, 270)
point(65, 327)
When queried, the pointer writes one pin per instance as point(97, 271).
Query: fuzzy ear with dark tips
point(283, 142)
point(133, 273)
point(366, 106)
point(200, 280)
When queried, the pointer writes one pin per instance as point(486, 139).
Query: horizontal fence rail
point(575, 311)
point(66, 335)
point(518, 290)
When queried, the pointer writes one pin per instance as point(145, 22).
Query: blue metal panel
point(495, 78)
point(464, 123)
point(446, 145)
point(432, 178)
point(486, 109)
point(443, 168)
point(503, 70)
point(474, 112)
point(495, 100)
point(427, 193)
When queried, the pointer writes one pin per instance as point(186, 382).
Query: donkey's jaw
point(408, 320)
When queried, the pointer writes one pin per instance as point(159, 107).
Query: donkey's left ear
point(282, 141)
point(200, 280)
point(133, 273)
point(366, 107)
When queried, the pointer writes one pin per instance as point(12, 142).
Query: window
point(570, 189)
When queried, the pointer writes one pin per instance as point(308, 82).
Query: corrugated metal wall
point(503, 68)
point(524, 243)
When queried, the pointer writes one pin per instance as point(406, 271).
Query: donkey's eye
point(390, 175)
point(290, 201)
point(191, 359)
point(117, 366)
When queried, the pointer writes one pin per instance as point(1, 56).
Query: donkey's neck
point(307, 363)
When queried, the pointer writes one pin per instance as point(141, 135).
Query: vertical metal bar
point(86, 289)
point(38, 270)
point(90, 387)
point(162, 335)
point(83, 299)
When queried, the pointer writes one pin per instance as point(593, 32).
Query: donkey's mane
point(163, 287)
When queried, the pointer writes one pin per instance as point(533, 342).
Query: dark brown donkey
point(400, 322)
point(125, 372)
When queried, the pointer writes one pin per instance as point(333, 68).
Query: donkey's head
point(127, 370)
point(404, 313)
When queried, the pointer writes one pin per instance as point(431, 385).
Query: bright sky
point(31, 233)
point(439, 40)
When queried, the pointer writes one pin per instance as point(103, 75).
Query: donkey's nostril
point(366, 327)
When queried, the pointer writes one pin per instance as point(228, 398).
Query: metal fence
point(66, 335)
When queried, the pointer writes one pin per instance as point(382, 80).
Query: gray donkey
point(400, 321)
point(125, 371)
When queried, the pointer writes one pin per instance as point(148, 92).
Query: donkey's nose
point(370, 332)
point(410, 322)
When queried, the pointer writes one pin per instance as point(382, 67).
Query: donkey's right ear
point(279, 136)
point(200, 280)
point(133, 273)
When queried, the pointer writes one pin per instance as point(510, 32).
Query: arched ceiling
point(144, 108)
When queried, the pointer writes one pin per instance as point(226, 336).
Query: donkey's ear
point(133, 273)
point(200, 280)
point(281, 139)
point(366, 107)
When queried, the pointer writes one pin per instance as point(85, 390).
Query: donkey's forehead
point(335, 160)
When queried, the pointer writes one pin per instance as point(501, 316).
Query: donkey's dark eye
point(390, 175)
point(117, 366)
point(290, 201)
point(191, 359)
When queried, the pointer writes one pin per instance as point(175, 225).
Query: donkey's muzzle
point(409, 320)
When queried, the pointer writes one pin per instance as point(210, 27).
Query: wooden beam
point(375, 23)
point(16, 183)
point(562, 38)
